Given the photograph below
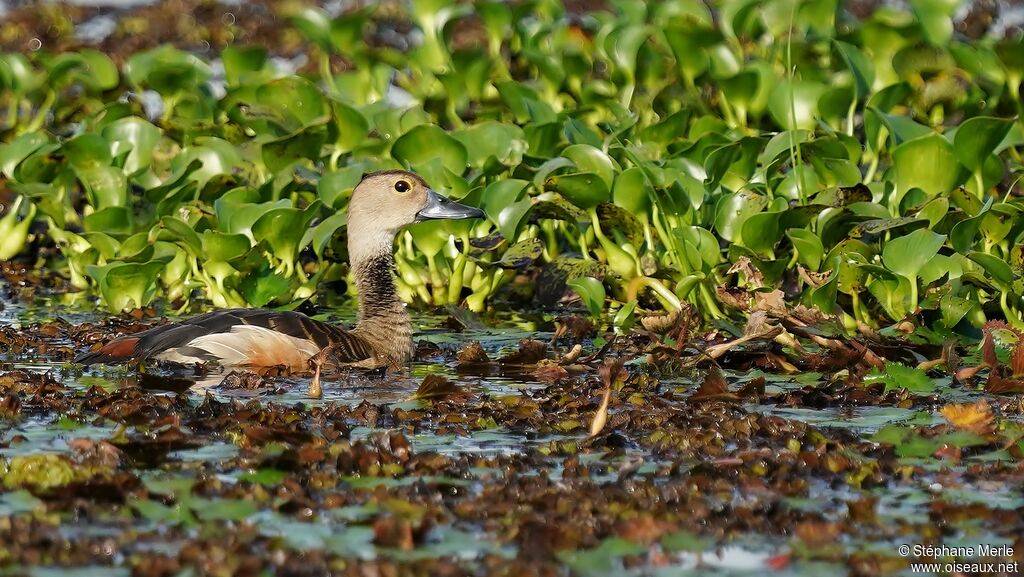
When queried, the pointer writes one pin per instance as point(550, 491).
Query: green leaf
point(907, 255)
point(492, 141)
point(808, 247)
point(860, 67)
point(294, 102)
point(734, 209)
point(135, 136)
point(113, 220)
point(584, 189)
point(12, 153)
point(587, 158)
point(244, 64)
point(505, 206)
point(632, 192)
point(977, 138)
point(283, 229)
point(936, 19)
point(591, 292)
point(927, 163)
point(522, 253)
point(794, 103)
point(427, 142)
point(897, 376)
point(126, 286)
point(224, 247)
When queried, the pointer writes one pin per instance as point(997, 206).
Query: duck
point(259, 339)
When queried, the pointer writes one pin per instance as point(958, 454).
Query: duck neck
point(383, 321)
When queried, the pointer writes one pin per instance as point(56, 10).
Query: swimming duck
point(381, 204)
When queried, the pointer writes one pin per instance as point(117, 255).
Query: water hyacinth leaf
point(239, 218)
point(98, 72)
point(504, 205)
point(620, 223)
point(861, 68)
point(999, 271)
point(283, 152)
point(808, 247)
point(689, 40)
point(87, 151)
point(283, 229)
point(701, 247)
point(223, 509)
point(106, 186)
point(623, 44)
point(113, 220)
point(522, 253)
point(261, 289)
point(907, 255)
point(632, 192)
point(977, 138)
point(936, 19)
point(427, 142)
point(928, 163)
point(625, 317)
point(126, 286)
point(137, 248)
point(737, 159)
point(587, 158)
point(167, 70)
point(734, 209)
point(181, 231)
point(897, 376)
point(12, 153)
point(901, 128)
point(314, 23)
point(430, 236)
point(504, 143)
point(794, 103)
point(940, 266)
point(293, 102)
point(591, 292)
point(17, 73)
point(605, 559)
point(964, 232)
point(14, 227)
point(224, 247)
point(350, 124)
point(217, 157)
point(244, 64)
point(135, 136)
point(335, 185)
point(586, 190)
point(321, 234)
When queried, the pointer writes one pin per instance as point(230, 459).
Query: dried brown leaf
point(976, 418)
point(436, 387)
point(472, 353)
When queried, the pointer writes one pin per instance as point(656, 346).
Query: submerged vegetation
point(789, 233)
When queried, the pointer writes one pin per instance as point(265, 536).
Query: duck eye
point(402, 186)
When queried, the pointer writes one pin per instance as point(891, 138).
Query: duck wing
point(235, 337)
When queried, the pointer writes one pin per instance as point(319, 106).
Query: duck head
point(391, 199)
point(383, 202)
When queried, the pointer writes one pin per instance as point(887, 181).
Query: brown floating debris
point(472, 353)
point(530, 353)
point(436, 387)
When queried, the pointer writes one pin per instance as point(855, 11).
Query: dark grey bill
point(440, 207)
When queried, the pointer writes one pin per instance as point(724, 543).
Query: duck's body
point(254, 338)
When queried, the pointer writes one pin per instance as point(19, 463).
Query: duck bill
point(440, 207)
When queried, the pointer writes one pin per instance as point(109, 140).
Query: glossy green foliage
point(654, 151)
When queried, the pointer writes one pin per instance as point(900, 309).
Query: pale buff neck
point(383, 320)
